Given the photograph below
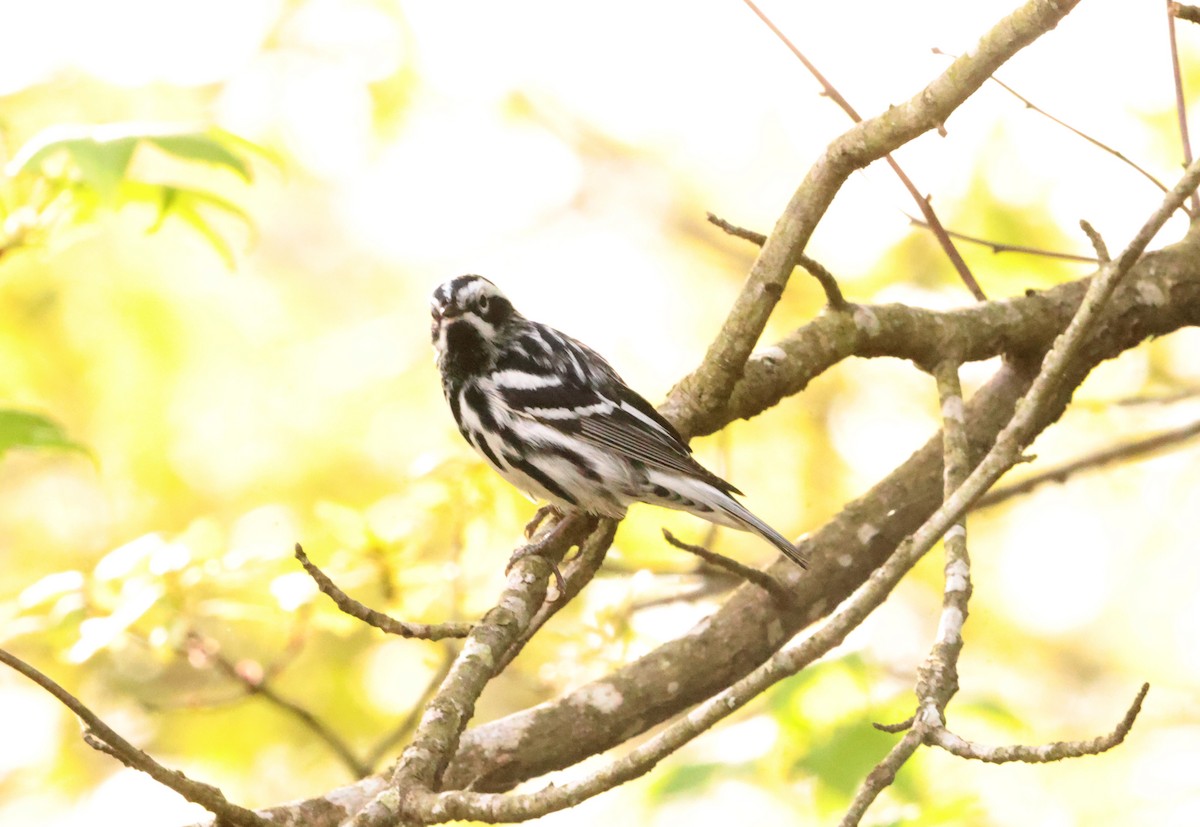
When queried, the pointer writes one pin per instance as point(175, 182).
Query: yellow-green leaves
point(22, 429)
point(70, 172)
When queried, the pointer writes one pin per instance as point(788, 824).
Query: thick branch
point(436, 738)
point(1162, 295)
point(700, 394)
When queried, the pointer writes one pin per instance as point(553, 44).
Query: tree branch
point(436, 738)
point(1122, 452)
point(699, 395)
point(833, 293)
point(107, 740)
point(1180, 101)
point(923, 201)
point(867, 530)
point(379, 620)
point(751, 575)
point(1043, 753)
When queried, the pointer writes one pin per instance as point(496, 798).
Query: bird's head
point(469, 315)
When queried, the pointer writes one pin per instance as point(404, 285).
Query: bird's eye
point(483, 304)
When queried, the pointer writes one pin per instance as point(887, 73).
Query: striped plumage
point(555, 420)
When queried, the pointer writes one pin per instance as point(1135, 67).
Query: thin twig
point(698, 397)
point(892, 729)
point(833, 293)
point(882, 776)
point(1160, 398)
point(1180, 101)
point(779, 592)
point(937, 679)
point(379, 620)
point(1097, 241)
point(262, 688)
point(714, 582)
point(206, 795)
point(1042, 753)
point(1002, 247)
point(734, 230)
point(1091, 140)
point(923, 202)
point(1134, 449)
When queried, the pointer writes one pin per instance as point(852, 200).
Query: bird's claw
point(534, 549)
point(540, 516)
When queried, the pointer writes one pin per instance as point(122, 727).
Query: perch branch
point(437, 735)
point(580, 570)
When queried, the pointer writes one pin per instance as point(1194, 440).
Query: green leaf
point(209, 148)
point(101, 155)
point(22, 429)
point(97, 172)
point(102, 163)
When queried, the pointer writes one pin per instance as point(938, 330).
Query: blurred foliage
point(282, 391)
point(21, 429)
point(64, 175)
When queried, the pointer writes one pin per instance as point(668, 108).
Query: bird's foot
point(540, 516)
point(538, 546)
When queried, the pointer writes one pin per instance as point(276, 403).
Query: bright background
point(569, 153)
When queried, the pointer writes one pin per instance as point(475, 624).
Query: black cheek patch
point(465, 347)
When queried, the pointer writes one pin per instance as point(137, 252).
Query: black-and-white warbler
point(556, 420)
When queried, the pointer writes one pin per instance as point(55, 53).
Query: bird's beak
point(440, 312)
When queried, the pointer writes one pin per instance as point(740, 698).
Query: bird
point(558, 422)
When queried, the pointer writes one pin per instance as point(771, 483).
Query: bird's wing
point(576, 391)
point(633, 429)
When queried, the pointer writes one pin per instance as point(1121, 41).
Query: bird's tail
point(743, 518)
point(709, 502)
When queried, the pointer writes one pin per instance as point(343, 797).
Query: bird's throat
point(466, 352)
